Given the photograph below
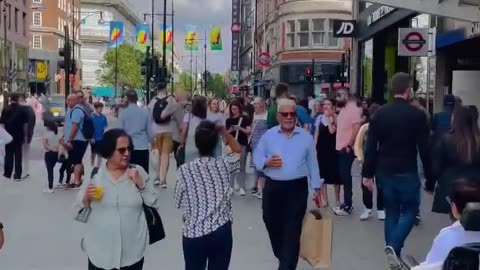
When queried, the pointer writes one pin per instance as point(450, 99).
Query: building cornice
point(120, 5)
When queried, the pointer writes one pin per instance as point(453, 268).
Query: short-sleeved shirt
point(52, 139)
point(100, 124)
point(203, 193)
point(74, 115)
point(348, 116)
point(242, 137)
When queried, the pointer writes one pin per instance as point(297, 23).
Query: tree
point(184, 82)
point(129, 67)
point(216, 85)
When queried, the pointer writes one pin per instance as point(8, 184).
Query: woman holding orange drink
point(117, 233)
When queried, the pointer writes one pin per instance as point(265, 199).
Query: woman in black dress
point(326, 154)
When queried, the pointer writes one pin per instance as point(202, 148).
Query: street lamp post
point(5, 47)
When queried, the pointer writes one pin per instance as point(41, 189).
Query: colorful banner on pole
point(142, 34)
point(191, 39)
point(216, 43)
point(116, 34)
point(168, 36)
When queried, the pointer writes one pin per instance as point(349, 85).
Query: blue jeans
point(401, 194)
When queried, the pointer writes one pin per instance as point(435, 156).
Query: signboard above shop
point(378, 14)
point(344, 28)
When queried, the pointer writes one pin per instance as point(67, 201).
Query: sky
point(205, 14)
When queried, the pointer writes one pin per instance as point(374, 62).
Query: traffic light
point(65, 54)
point(147, 68)
point(309, 75)
point(73, 67)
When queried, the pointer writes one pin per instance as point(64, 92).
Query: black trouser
point(284, 205)
point(51, 159)
point(65, 168)
point(179, 157)
point(13, 153)
point(214, 249)
point(368, 197)
point(136, 266)
point(345, 161)
point(141, 157)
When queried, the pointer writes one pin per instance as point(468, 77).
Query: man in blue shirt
point(100, 123)
point(134, 120)
point(73, 138)
point(286, 155)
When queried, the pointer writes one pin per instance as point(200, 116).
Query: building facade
point(14, 18)
point(47, 26)
point(298, 36)
point(94, 33)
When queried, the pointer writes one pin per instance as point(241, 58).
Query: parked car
point(54, 109)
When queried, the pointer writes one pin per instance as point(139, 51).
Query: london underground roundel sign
point(264, 59)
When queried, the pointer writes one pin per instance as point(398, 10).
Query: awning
point(103, 92)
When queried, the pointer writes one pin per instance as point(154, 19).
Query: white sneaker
point(163, 185)
point(259, 195)
point(366, 214)
point(381, 214)
point(236, 186)
point(47, 190)
point(156, 182)
point(242, 192)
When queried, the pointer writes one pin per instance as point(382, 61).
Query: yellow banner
point(42, 70)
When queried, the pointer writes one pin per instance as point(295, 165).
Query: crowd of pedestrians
point(394, 150)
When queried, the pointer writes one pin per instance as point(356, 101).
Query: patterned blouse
point(203, 193)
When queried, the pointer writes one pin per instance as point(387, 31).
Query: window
point(37, 41)
point(37, 19)
point(61, 42)
point(291, 34)
point(37, 1)
point(318, 32)
point(16, 20)
point(60, 4)
point(24, 24)
point(303, 33)
point(332, 41)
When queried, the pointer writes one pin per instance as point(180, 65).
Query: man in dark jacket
point(395, 133)
point(31, 119)
point(15, 121)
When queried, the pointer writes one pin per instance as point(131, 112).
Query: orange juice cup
point(99, 193)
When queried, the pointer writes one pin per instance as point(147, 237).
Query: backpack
point(158, 108)
point(87, 128)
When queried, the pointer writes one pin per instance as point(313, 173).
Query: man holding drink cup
point(287, 156)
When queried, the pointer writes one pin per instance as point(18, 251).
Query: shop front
point(377, 43)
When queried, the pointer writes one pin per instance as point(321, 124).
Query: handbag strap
point(239, 124)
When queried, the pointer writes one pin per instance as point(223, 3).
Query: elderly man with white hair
point(286, 155)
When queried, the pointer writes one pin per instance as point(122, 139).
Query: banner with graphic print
point(168, 36)
point(116, 34)
point(191, 39)
point(216, 43)
point(142, 34)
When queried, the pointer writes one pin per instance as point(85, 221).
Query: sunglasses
point(288, 114)
point(123, 150)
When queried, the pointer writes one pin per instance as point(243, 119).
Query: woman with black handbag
point(119, 207)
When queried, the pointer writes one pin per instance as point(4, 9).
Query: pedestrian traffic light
point(309, 75)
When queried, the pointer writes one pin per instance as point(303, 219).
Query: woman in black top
point(325, 138)
point(456, 150)
point(239, 126)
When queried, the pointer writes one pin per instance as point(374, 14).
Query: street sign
point(264, 59)
point(234, 89)
point(413, 41)
point(344, 28)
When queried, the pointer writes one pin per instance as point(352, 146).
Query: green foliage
point(129, 67)
point(184, 83)
point(216, 85)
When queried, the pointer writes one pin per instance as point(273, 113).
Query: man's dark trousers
point(345, 161)
point(13, 153)
point(284, 205)
point(142, 158)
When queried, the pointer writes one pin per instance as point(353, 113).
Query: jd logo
point(342, 28)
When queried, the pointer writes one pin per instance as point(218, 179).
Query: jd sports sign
point(344, 28)
point(413, 41)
